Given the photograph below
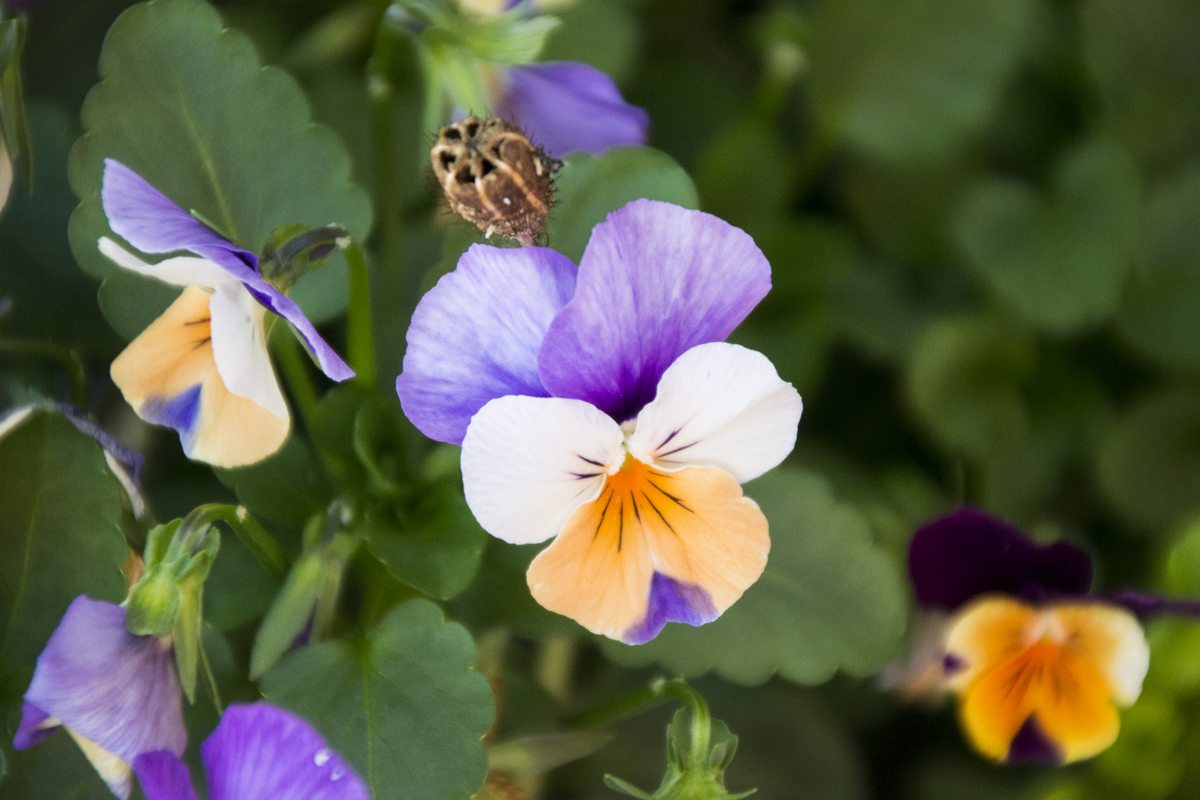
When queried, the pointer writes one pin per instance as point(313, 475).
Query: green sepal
point(289, 613)
point(153, 604)
point(14, 120)
point(187, 635)
point(294, 250)
point(457, 70)
point(510, 38)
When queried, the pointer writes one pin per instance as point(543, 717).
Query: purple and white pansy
point(202, 368)
point(601, 407)
point(257, 752)
point(114, 692)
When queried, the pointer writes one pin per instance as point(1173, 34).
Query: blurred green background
point(983, 218)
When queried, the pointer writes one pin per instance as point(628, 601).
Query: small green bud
point(153, 604)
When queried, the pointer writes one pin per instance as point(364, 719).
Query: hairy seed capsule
point(495, 178)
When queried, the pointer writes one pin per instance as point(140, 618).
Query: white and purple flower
point(114, 692)
point(202, 368)
point(257, 752)
point(602, 407)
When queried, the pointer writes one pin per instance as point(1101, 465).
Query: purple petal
point(476, 335)
point(261, 752)
point(970, 552)
point(565, 105)
point(1032, 746)
point(108, 685)
point(655, 281)
point(149, 221)
point(329, 361)
point(1148, 605)
point(30, 731)
point(163, 776)
point(672, 601)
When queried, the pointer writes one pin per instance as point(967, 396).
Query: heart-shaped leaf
point(190, 108)
point(405, 707)
point(1060, 261)
point(60, 533)
point(829, 598)
point(910, 81)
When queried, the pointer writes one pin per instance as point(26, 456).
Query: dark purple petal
point(261, 752)
point(30, 731)
point(565, 106)
point(108, 685)
point(655, 281)
point(163, 776)
point(148, 220)
point(1032, 746)
point(1147, 605)
point(672, 601)
point(970, 552)
point(476, 335)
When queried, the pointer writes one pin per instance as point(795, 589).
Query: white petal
point(240, 348)
point(719, 405)
point(178, 271)
point(528, 462)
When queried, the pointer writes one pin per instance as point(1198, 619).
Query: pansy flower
point(114, 692)
point(257, 752)
point(202, 368)
point(1040, 666)
point(602, 408)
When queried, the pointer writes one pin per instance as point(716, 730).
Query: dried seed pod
point(495, 178)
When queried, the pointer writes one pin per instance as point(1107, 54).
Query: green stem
point(653, 695)
point(701, 719)
point(296, 373)
point(387, 197)
point(210, 677)
point(360, 333)
point(69, 359)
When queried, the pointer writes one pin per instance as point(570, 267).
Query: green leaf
point(405, 707)
point(285, 489)
point(56, 768)
point(60, 533)
point(190, 108)
point(964, 382)
point(603, 33)
point(1159, 315)
point(829, 598)
point(589, 188)
point(1150, 464)
point(288, 614)
point(1060, 261)
point(435, 546)
point(910, 81)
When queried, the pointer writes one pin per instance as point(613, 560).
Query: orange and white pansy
point(602, 408)
point(202, 367)
point(1040, 668)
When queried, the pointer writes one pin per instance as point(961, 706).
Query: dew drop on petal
point(337, 774)
point(322, 757)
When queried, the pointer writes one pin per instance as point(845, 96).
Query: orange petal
point(693, 529)
point(986, 632)
point(169, 376)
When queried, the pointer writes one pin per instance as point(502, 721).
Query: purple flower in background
point(202, 368)
point(116, 693)
point(1040, 666)
point(257, 752)
point(601, 406)
point(565, 105)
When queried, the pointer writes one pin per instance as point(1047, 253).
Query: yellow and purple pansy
point(202, 367)
point(602, 407)
point(257, 752)
point(114, 692)
point(1040, 666)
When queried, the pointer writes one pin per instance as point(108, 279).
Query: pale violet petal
point(177, 271)
point(529, 462)
point(655, 281)
point(719, 405)
point(240, 348)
